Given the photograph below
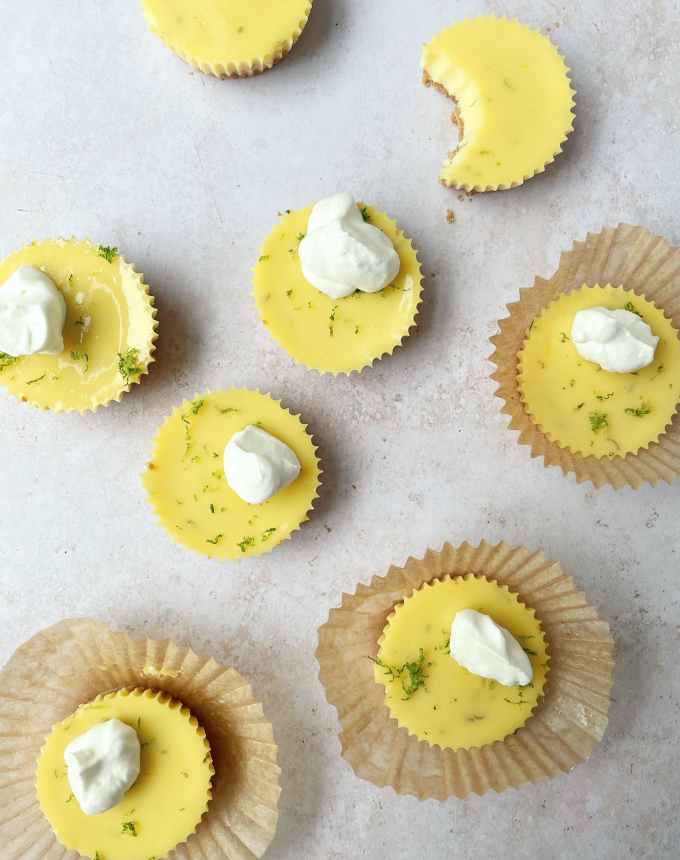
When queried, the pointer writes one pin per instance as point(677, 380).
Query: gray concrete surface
point(105, 134)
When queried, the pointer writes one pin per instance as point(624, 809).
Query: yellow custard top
point(578, 405)
point(186, 484)
point(333, 335)
point(109, 332)
point(161, 809)
point(219, 32)
point(513, 95)
point(429, 693)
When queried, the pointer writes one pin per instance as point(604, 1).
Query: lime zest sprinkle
point(128, 364)
point(108, 253)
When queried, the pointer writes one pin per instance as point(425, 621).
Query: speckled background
point(105, 134)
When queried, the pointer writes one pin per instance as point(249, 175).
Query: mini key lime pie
point(229, 38)
point(598, 371)
point(125, 748)
point(233, 474)
point(338, 285)
point(513, 96)
point(126, 777)
point(470, 669)
point(77, 325)
point(463, 663)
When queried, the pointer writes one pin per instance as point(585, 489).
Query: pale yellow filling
point(584, 408)
point(187, 487)
point(514, 97)
point(109, 313)
point(335, 335)
point(453, 708)
point(165, 804)
point(223, 31)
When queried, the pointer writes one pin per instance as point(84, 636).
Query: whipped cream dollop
point(102, 765)
point(618, 340)
point(257, 465)
point(32, 314)
point(342, 253)
point(485, 648)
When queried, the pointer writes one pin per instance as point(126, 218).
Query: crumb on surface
point(450, 216)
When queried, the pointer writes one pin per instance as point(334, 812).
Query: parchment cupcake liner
point(146, 321)
point(566, 727)
point(458, 121)
point(271, 544)
point(626, 256)
point(399, 340)
point(74, 661)
point(238, 68)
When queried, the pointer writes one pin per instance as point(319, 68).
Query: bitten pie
point(109, 329)
point(514, 101)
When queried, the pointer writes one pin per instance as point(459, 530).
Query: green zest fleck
point(69, 798)
point(128, 364)
point(563, 337)
point(109, 254)
point(212, 508)
point(79, 321)
point(289, 293)
point(81, 356)
point(228, 410)
point(331, 319)
point(446, 644)
point(37, 379)
point(263, 258)
point(268, 533)
point(412, 674)
point(580, 406)
point(246, 543)
point(7, 360)
point(364, 214)
point(214, 541)
point(300, 237)
point(130, 828)
point(598, 421)
point(629, 306)
point(640, 411)
point(604, 396)
point(196, 406)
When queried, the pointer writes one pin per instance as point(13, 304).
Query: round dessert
point(233, 474)
point(77, 325)
point(338, 285)
point(228, 38)
point(513, 96)
point(463, 662)
point(137, 738)
point(622, 399)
